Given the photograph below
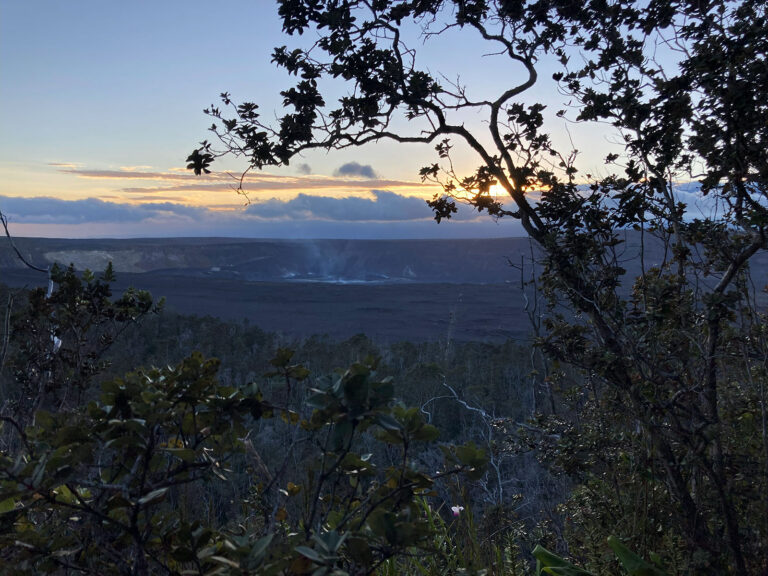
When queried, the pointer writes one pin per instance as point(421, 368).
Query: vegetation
point(670, 447)
point(189, 469)
point(172, 471)
point(647, 394)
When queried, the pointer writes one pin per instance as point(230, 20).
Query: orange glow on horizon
point(141, 185)
point(497, 191)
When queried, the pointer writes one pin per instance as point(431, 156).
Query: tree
point(672, 361)
point(61, 337)
point(119, 477)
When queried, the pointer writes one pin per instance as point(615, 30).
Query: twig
point(6, 330)
point(4, 222)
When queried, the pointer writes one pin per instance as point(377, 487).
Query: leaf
point(308, 552)
point(289, 416)
point(298, 372)
point(37, 476)
point(550, 563)
point(282, 357)
point(44, 420)
point(388, 422)
point(227, 561)
point(7, 505)
point(329, 541)
point(206, 552)
point(199, 162)
point(474, 458)
point(64, 494)
point(154, 496)
point(631, 562)
point(293, 489)
point(260, 547)
point(426, 433)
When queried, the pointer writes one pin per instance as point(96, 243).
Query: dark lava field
point(389, 290)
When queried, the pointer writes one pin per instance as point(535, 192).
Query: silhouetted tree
point(673, 399)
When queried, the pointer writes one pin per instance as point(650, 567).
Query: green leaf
point(44, 420)
point(631, 562)
point(282, 357)
point(388, 422)
point(550, 563)
point(37, 475)
point(473, 457)
point(308, 552)
point(342, 434)
point(426, 433)
point(298, 372)
point(64, 494)
point(260, 547)
point(7, 505)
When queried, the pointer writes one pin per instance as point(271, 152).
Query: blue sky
point(100, 102)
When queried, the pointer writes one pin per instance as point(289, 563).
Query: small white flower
point(457, 510)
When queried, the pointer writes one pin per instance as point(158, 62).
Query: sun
point(497, 191)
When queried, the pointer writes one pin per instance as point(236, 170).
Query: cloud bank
point(384, 206)
point(55, 211)
point(384, 214)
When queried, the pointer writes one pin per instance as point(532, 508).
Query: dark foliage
point(670, 445)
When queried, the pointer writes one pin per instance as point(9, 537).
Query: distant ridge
point(343, 261)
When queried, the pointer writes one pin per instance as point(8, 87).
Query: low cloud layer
point(55, 211)
point(380, 214)
point(384, 206)
point(385, 214)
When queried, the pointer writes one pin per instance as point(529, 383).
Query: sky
point(101, 102)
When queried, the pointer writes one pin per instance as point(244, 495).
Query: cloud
point(288, 183)
point(132, 173)
point(383, 206)
point(43, 210)
point(135, 168)
point(127, 174)
point(151, 198)
point(304, 169)
point(304, 185)
point(238, 227)
point(171, 182)
point(71, 165)
point(355, 169)
point(384, 214)
point(172, 208)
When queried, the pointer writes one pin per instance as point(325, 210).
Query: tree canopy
point(669, 363)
